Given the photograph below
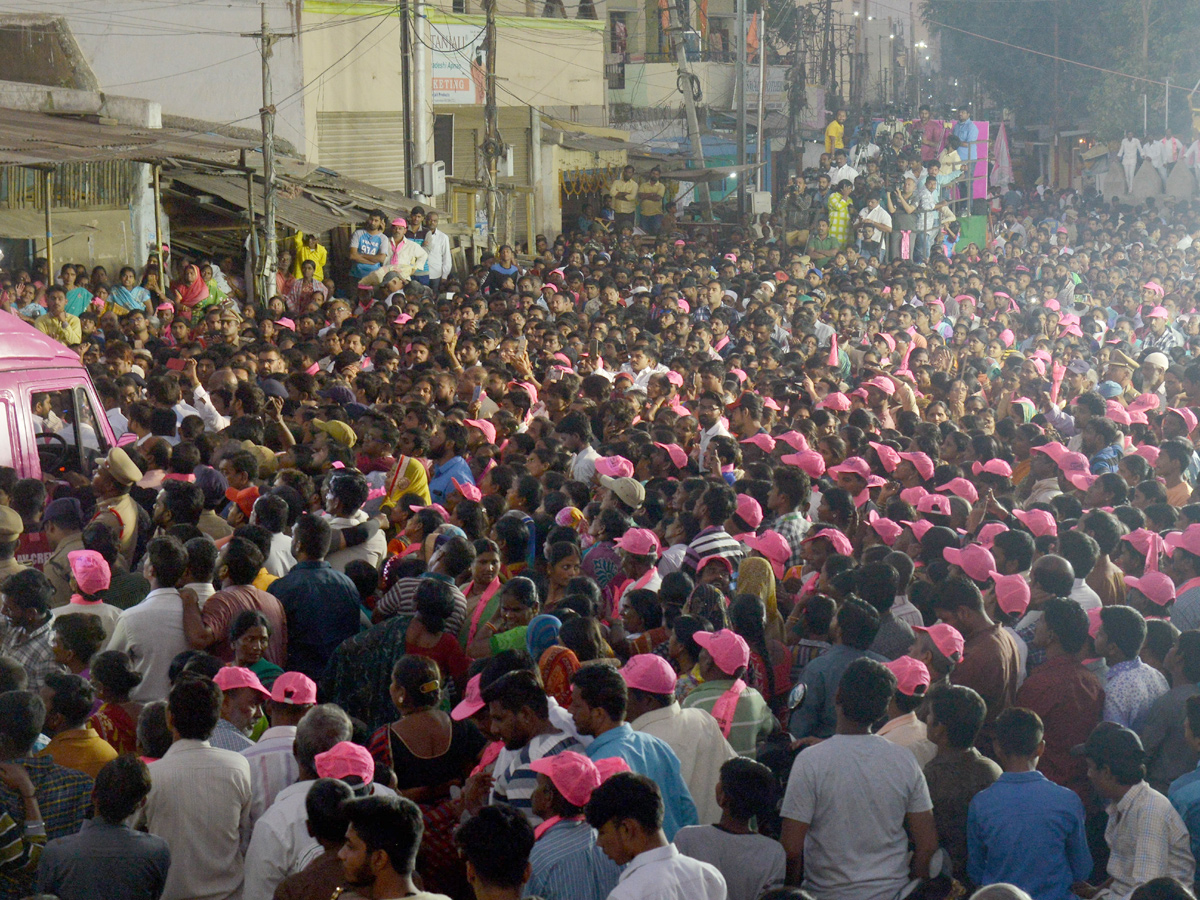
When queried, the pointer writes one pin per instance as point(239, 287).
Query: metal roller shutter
point(368, 146)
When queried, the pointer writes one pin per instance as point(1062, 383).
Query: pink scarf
point(726, 706)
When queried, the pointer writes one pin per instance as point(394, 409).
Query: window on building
point(618, 33)
point(443, 141)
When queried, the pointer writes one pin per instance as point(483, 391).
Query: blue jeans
point(920, 246)
point(651, 224)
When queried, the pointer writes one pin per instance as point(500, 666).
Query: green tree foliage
point(1149, 39)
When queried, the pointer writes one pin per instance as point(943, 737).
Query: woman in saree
point(555, 662)
point(127, 295)
point(78, 297)
point(755, 576)
point(191, 292)
point(115, 721)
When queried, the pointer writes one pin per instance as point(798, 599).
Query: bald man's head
point(1054, 575)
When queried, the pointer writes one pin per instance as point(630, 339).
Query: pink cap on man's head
point(1073, 462)
point(1159, 312)
point(614, 467)
point(727, 648)
point(1094, 621)
point(946, 638)
point(436, 507)
point(992, 467)
point(1153, 286)
point(1038, 521)
point(887, 530)
point(974, 559)
point(749, 510)
point(881, 384)
point(986, 535)
point(230, 678)
point(837, 401)
point(90, 569)
point(469, 491)
point(1147, 452)
point(1053, 449)
point(346, 760)
point(471, 703)
point(294, 688)
point(1012, 592)
point(854, 465)
point(921, 462)
point(889, 458)
point(794, 439)
point(1188, 539)
point(723, 561)
point(400, 222)
point(936, 504)
point(773, 546)
point(1081, 480)
point(1189, 417)
point(841, 543)
point(1155, 587)
point(675, 378)
point(488, 429)
point(639, 542)
point(678, 454)
point(913, 494)
point(575, 776)
point(649, 672)
point(810, 461)
point(911, 675)
point(919, 527)
point(762, 441)
point(960, 487)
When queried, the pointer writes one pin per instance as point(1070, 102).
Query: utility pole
point(740, 100)
point(493, 147)
point(267, 40)
point(762, 95)
point(687, 83)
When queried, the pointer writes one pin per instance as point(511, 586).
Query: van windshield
point(68, 436)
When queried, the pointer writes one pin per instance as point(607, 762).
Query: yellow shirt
point(264, 579)
point(81, 749)
point(630, 187)
point(68, 332)
point(653, 207)
point(301, 252)
point(834, 134)
point(1179, 495)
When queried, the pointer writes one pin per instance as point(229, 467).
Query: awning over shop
point(709, 173)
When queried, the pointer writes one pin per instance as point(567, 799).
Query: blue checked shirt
point(654, 758)
point(65, 800)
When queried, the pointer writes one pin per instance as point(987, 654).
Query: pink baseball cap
point(1053, 449)
point(469, 491)
point(344, 760)
point(399, 222)
point(841, 543)
point(887, 530)
point(677, 454)
point(91, 571)
point(1188, 539)
point(436, 507)
point(471, 703)
point(728, 649)
point(762, 441)
point(1153, 286)
point(614, 467)
point(946, 638)
point(1117, 413)
point(749, 510)
point(992, 467)
point(889, 457)
point(854, 465)
point(774, 548)
point(1012, 592)
point(934, 503)
point(886, 338)
point(230, 678)
point(881, 384)
point(837, 401)
point(1094, 621)
point(1189, 417)
point(1074, 462)
point(294, 688)
point(1038, 521)
point(722, 561)
point(921, 462)
point(1159, 312)
point(919, 527)
point(910, 673)
point(794, 439)
point(675, 378)
point(974, 559)
point(913, 494)
point(810, 461)
point(649, 672)
point(1147, 452)
point(1082, 480)
point(575, 776)
point(639, 542)
point(986, 535)
point(960, 487)
point(488, 429)
point(1155, 586)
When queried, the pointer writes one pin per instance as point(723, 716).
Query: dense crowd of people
point(798, 562)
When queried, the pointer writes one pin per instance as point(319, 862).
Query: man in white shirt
point(273, 765)
point(627, 813)
point(692, 733)
point(1129, 154)
point(874, 223)
point(841, 170)
point(437, 248)
point(708, 410)
point(344, 499)
point(1153, 151)
point(199, 800)
point(152, 632)
point(281, 845)
point(575, 431)
point(271, 512)
point(643, 363)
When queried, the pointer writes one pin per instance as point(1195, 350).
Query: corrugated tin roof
point(36, 138)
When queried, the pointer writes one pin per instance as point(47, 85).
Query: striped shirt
point(752, 718)
point(515, 785)
point(713, 541)
point(65, 800)
point(566, 864)
point(227, 737)
point(273, 767)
